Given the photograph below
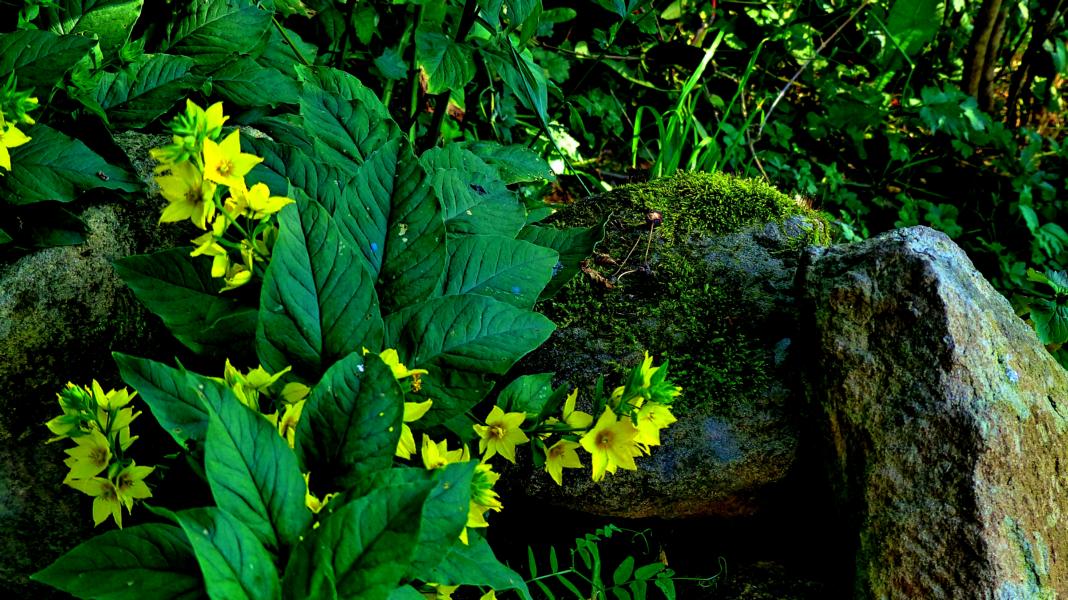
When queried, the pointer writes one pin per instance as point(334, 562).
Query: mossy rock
point(62, 311)
point(699, 269)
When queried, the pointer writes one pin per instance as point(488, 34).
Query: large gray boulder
point(62, 311)
point(711, 288)
point(944, 420)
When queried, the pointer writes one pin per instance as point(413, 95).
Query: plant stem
point(441, 100)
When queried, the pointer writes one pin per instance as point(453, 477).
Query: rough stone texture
point(721, 308)
point(945, 422)
point(62, 311)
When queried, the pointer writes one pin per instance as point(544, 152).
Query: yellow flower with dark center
point(437, 455)
point(89, 457)
point(130, 485)
point(611, 443)
point(500, 434)
point(560, 455)
point(225, 163)
point(10, 137)
point(651, 418)
point(106, 498)
point(189, 195)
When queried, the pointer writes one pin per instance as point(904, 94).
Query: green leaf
point(318, 302)
point(623, 572)
point(574, 245)
point(40, 58)
point(4, 237)
point(913, 24)
point(234, 563)
point(475, 564)
point(109, 21)
point(345, 118)
point(351, 422)
point(458, 339)
point(178, 398)
point(254, 476)
point(1051, 321)
point(392, 216)
point(287, 162)
point(391, 64)
point(647, 572)
point(364, 547)
point(52, 166)
point(512, 271)
point(145, 89)
point(473, 197)
point(179, 289)
point(146, 561)
point(444, 516)
point(531, 394)
point(515, 163)
point(214, 32)
point(406, 592)
point(246, 83)
point(448, 64)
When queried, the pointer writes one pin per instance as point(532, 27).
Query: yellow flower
point(106, 498)
point(312, 501)
point(575, 418)
point(10, 137)
point(210, 120)
point(440, 592)
point(90, 457)
point(130, 485)
point(225, 163)
point(287, 427)
point(559, 455)
point(500, 434)
point(437, 455)
point(189, 195)
point(236, 276)
point(652, 417)
point(490, 595)
point(413, 411)
point(611, 443)
point(294, 392)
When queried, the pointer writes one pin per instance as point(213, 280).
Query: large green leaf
point(109, 21)
point(180, 290)
point(40, 58)
point(286, 162)
point(444, 516)
point(234, 563)
point(473, 197)
point(574, 245)
point(247, 83)
point(1051, 321)
point(458, 339)
point(216, 31)
point(364, 548)
point(146, 561)
point(144, 89)
point(512, 271)
point(515, 163)
point(178, 399)
point(254, 476)
point(351, 423)
point(52, 166)
point(913, 24)
point(392, 216)
point(318, 302)
point(448, 65)
point(347, 120)
point(475, 564)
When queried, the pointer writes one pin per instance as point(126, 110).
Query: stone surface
point(720, 306)
point(944, 420)
point(62, 311)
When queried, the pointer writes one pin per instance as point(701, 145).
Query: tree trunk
point(982, 47)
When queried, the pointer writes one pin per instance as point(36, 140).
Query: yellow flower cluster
point(193, 173)
point(98, 422)
point(13, 108)
point(629, 425)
